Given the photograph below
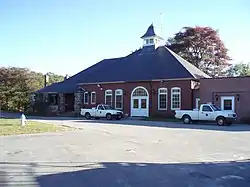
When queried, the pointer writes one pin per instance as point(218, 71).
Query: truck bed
point(194, 114)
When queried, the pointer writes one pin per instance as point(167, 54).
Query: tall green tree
point(240, 69)
point(202, 47)
point(16, 85)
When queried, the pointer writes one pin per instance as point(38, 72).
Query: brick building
point(151, 81)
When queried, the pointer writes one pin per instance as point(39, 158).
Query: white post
point(23, 120)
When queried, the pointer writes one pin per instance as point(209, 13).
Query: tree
point(16, 85)
point(202, 47)
point(240, 69)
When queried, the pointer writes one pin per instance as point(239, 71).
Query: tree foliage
point(202, 47)
point(16, 85)
point(240, 69)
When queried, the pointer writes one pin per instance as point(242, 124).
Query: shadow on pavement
point(118, 174)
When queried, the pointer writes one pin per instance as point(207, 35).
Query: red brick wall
point(152, 88)
point(227, 87)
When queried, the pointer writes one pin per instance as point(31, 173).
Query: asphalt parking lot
point(127, 153)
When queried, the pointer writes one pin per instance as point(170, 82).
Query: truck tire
point(108, 116)
point(220, 121)
point(87, 115)
point(186, 119)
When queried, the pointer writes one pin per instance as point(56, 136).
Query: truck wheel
point(186, 119)
point(221, 121)
point(87, 115)
point(108, 117)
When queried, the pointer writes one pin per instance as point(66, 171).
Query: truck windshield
point(107, 107)
point(215, 108)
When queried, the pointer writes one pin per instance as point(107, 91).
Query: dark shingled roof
point(138, 66)
point(150, 32)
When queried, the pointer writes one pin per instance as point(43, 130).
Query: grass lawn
point(12, 126)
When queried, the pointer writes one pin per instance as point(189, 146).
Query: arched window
point(162, 99)
point(175, 98)
point(93, 97)
point(108, 97)
point(140, 92)
point(86, 97)
point(118, 99)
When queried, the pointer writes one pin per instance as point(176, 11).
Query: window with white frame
point(93, 97)
point(162, 99)
point(175, 98)
point(86, 97)
point(118, 99)
point(108, 97)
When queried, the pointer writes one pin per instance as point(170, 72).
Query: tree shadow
point(119, 174)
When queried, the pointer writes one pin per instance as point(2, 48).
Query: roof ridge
point(187, 65)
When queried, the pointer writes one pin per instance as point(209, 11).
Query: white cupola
point(150, 39)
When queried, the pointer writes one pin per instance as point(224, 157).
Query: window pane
point(86, 98)
point(228, 104)
point(206, 109)
point(176, 101)
point(163, 91)
point(140, 92)
point(135, 103)
point(108, 100)
point(163, 101)
point(143, 103)
point(118, 92)
point(93, 97)
point(118, 103)
point(175, 90)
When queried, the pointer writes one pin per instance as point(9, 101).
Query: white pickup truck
point(102, 111)
point(207, 112)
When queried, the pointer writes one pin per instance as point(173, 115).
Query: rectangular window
point(175, 98)
point(162, 99)
point(135, 103)
point(93, 97)
point(118, 99)
point(53, 99)
point(86, 98)
point(108, 100)
point(108, 97)
point(228, 104)
point(143, 103)
point(151, 41)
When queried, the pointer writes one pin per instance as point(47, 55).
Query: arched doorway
point(139, 102)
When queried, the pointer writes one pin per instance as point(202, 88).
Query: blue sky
point(67, 36)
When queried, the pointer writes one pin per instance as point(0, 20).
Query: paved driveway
point(128, 153)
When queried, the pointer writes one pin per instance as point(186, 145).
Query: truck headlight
point(231, 115)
